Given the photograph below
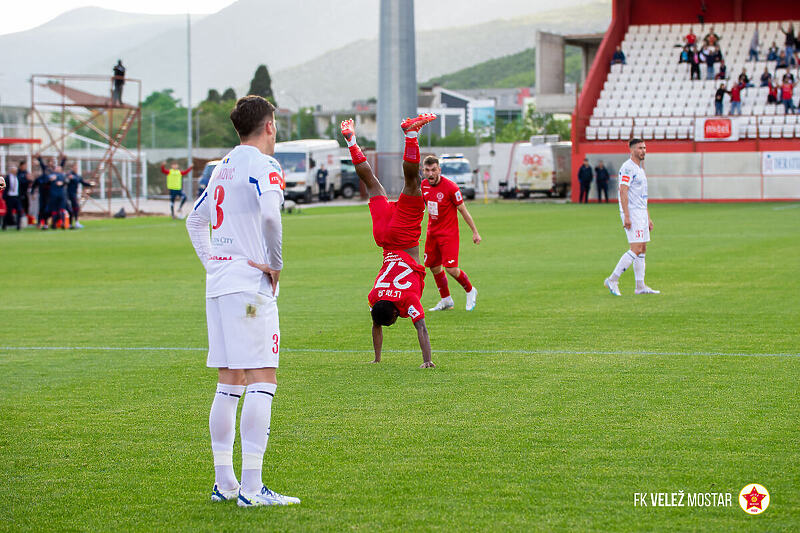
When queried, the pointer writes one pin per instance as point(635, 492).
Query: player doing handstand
point(396, 227)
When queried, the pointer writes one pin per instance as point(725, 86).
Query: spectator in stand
point(24, 190)
point(711, 38)
point(766, 78)
point(789, 42)
point(710, 56)
point(753, 54)
point(601, 173)
point(719, 96)
point(684, 57)
point(691, 38)
point(736, 99)
point(619, 57)
point(786, 95)
point(694, 64)
point(772, 96)
point(723, 71)
point(783, 61)
point(585, 178)
point(772, 53)
point(744, 79)
point(11, 197)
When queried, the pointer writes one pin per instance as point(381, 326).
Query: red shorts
point(441, 250)
point(397, 225)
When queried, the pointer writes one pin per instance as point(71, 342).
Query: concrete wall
point(549, 63)
point(709, 176)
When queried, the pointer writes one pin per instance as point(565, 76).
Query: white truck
point(538, 167)
point(457, 168)
point(301, 160)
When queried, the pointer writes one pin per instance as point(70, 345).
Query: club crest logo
point(754, 499)
point(439, 196)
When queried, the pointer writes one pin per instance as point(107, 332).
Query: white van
point(301, 160)
point(540, 168)
point(457, 168)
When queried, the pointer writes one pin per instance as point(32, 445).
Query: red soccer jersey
point(442, 202)
point(736, 92)
point(401, 280)
point(786, 91)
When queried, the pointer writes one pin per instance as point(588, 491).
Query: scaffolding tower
point(67, 110)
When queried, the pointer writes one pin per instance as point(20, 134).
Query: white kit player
point(636, 219)
point(242, 258)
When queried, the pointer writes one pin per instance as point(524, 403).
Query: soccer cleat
point(218, 495)
point(265, 497)
point(646, 290)
point(472, 298)
point(348, 130)
point(78, 225)
point(612, 286)
point(444, 304)
point(416, 123)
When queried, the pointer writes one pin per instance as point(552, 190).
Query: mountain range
point(318, 52)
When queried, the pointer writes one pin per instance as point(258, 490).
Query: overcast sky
point(23, 15)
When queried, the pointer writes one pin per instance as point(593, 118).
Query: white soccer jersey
point(633, 176)
point(12, 184)
point(242, 205)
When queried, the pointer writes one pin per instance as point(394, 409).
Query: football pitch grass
point(551, 405)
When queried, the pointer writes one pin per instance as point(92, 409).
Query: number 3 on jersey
point(219, 197)
point(380, 284)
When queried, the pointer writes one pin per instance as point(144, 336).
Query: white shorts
point(640, 226)
point(243, 331)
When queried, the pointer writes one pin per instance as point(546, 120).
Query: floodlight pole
point(187, 185)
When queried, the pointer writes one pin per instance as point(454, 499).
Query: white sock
point(222, 424)
point(624, 262)
point(254, 427)
point(412, 134)
point(638, 271)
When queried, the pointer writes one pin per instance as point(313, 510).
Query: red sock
point(464, 281)
point(412, 150)
point(441, 283)
point(357, 155)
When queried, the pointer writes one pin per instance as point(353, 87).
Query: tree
point(229, 94)
point(213, 96)
point(533, 123)
point(261, 84)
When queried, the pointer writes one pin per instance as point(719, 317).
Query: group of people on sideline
point(585, 177)
point(56, 190)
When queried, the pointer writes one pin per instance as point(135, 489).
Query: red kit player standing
point(443, 198)
point(396, 227)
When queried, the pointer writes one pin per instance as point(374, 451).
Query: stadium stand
point(692, 155)
point(652, 96)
